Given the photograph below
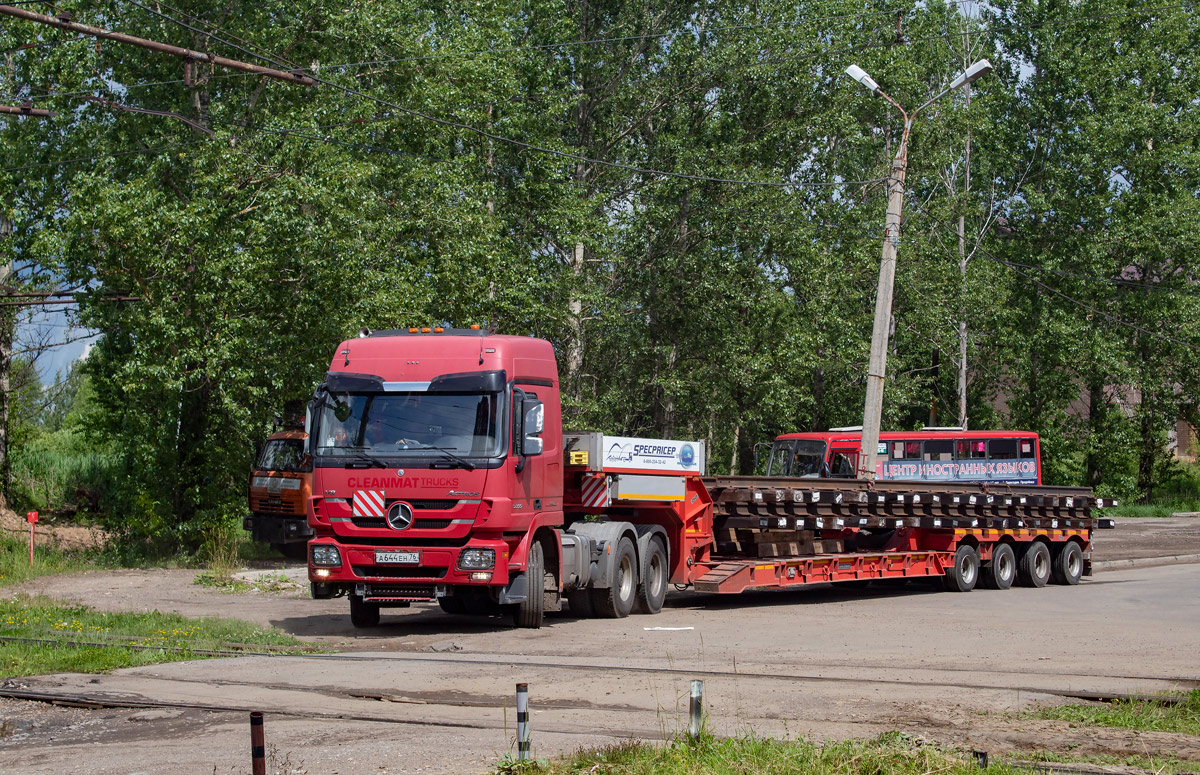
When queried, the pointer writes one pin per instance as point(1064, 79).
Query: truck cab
point(278, 494)
point(437, 471)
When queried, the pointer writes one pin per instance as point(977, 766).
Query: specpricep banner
point(653, 454)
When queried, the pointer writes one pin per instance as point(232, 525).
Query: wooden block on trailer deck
point(827, 546)
point(781, 549)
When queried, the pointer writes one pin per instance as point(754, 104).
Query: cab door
point(843, 462)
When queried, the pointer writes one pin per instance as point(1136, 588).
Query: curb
point(1145, 562)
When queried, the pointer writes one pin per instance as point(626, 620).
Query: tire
point(580, 601)
point(1034, 568)
point(965, 574)
point(362, 613)
point(616, 601)
point(529, 614)
point(1068, 565)
point(453, 605)
point(652, 586)
point(1001, 572)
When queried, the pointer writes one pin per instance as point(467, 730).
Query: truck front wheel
point(617, 601)
point(362, 613)
point(530, 612)
point(652, 589)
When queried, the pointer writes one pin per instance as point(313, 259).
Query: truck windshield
point(282, 455)
point(411, 425)
point(796, 457)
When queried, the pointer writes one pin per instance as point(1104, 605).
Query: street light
point(877, 366)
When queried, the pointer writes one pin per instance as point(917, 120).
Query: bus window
point(906, 450)
point(843, 465)
point(939, 449)
point(1025, 448)
point(969, 449)
point(1002, 449)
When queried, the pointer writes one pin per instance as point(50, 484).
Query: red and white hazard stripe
point(595, 492)
point(368, 503)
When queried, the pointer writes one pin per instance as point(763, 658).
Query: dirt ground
point(427, 692)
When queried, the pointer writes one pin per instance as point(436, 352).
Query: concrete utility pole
point(64, 22)
point(877, 367)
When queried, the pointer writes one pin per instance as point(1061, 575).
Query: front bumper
point(276, 528)
point(366, 571)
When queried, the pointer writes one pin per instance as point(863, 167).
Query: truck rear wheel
point(531, 611)
point(362, 613)
point(1034, 568)
point(965, 574)
point(617, 601)
point(1068, 564)
point(1001, 572)
point(652, 587)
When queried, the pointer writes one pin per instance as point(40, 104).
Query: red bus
point(931, 454)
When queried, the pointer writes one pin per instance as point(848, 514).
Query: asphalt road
point(427, 692)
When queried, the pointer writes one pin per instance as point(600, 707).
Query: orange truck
point(279, 490)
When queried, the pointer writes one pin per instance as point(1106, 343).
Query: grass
point(1182, 717)
point(1179, 493)
point(893, 753)
point(74, 638)
point(1166, 765)
point(15, 567)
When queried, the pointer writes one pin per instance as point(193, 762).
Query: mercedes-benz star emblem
point(400, 515)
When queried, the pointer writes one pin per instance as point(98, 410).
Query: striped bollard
point(696, 710)
point(258, 748)
point(523, 738)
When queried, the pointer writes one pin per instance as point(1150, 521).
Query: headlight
point(327, 556)
point(290, 484)
point(259, 481)
point(477, 559)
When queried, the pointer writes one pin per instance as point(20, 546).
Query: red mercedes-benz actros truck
point(441, 471)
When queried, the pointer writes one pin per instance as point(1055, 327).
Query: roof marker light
point(439, 330)
point(424, 330)
point(414, 331)
point(474, 326)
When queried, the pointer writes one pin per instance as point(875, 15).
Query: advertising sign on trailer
point(653, 454)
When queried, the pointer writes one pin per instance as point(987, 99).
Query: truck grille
point(397, 572)
point(274, 506)
point(376, 523)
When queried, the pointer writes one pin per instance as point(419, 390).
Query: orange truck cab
point(278, 493)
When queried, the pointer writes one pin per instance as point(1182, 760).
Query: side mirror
point(532, 424)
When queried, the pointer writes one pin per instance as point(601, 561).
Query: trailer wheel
point(1068, 564)
point(362, 613)
point(652, 587)
point(530, 613)
point(1001, 572)
point(617, 601)
point(965, 574)
point(1034, 568)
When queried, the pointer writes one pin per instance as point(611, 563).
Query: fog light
point(328, 556)
point(321, 573)
point(480, 576)
point(477, 559)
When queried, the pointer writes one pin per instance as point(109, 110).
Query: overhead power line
point(513, 141)
point(64, 22)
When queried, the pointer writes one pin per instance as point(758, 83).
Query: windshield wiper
point(456, 459)
point(364, 456)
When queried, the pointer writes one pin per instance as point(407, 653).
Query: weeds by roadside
point(894, 753)
point(15, 567)
point(1159, 716)
point(38, 636)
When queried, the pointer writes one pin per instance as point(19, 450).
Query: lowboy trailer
point(441, 473)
